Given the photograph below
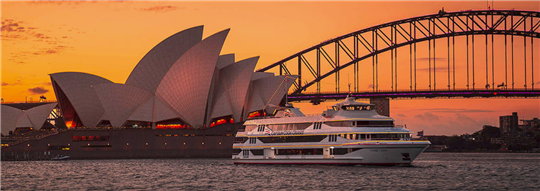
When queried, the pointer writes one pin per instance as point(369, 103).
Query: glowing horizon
point(109, 38)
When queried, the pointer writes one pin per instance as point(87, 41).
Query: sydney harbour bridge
point(472, 53)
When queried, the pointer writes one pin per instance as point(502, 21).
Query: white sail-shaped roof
point(259, 75)
point(163, 111)
point(144, 111)
point(232, 88)
point(120, 100)
point(223, 61)
point(269, 90)
point(34, 117)
point(154, 65)
point(24, 121)
point(280, 91)
point(187, 84)
point(39, 114)
point(10, 118)
point(77, 87)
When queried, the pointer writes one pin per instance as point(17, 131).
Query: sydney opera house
point(183, 99)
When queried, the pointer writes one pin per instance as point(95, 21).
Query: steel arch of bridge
point(411, 31)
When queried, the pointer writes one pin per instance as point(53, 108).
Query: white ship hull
point(367, 155)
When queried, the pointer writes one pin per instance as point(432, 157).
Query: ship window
point(342, 151)
point(260, 128)
point(317, 125)
point(362, 136)
point(290, 126)
point(292, 139)
point(332, 138)
point(338, 123)
point(375, 124)
point(245, 153)
point(354, 108)
point(299, 152)
point(236, 151)
point(390, 136)
point(257, 152)
point(335, 108)
point(252, 140)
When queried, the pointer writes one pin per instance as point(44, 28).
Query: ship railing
point(390, 139)
point(262, 117)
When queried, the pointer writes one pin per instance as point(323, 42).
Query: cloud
point(18, 82)
point(38, 90)
point(401, 115)
point(21, 56)
point(14, 30)
point(52, 50)
point(162, 9)
point(455, 110)
point(427, 117)
point(464, 118)
point(41, 36)
point(9, 25)
point(370, 86)
point(44, 44)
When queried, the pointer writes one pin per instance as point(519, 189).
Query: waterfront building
point(508, 123)
point(183, 82)
point(531, 125)
point(183, 99)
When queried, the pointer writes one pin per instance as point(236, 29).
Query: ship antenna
point(286, 96)
point(349, 81)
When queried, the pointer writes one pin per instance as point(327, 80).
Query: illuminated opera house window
point(90, 138)
point(222, 120)
point(260, 113)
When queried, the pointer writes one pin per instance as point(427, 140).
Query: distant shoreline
point(478, 152)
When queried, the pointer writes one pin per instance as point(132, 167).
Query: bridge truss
point(331, 57)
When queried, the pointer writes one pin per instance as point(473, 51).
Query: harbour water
point(438, 171)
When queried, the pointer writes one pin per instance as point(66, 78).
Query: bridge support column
point(382, 105)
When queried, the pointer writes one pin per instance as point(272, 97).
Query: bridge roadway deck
point(458, 93)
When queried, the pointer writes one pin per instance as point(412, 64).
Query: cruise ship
point(349, 133)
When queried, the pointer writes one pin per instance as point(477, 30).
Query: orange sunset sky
point(108, 38)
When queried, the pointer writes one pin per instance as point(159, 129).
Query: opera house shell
point(183, 82)
point(183, 99)
point(34, 117)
